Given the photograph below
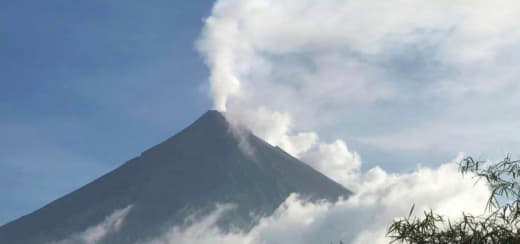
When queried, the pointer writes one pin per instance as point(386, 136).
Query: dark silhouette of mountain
point(202, 165)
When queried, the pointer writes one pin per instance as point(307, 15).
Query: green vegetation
point(500, 224)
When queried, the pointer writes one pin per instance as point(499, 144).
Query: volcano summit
point(190, 172)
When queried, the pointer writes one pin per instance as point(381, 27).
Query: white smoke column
point(94, 234)
point(220, 43)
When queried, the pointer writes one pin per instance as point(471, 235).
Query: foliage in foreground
point(500, 224)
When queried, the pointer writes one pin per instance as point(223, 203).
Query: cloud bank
point(362, 218)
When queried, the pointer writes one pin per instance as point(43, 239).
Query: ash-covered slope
point(193, 170)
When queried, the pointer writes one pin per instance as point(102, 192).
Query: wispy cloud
point(96, 233)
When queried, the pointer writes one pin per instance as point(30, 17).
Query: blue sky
point(85, 86)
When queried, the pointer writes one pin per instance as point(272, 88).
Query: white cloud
point(95, 234)
point(201, 231)
point(336, 161)
point(401, 62)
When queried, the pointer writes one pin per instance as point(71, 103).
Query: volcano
point(208, 162)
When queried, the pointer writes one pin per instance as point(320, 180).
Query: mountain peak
point(213, 116)
point(202, 165)
point(212, 126)
point(211, 120)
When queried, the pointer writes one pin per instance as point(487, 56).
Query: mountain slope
point(202, 165)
